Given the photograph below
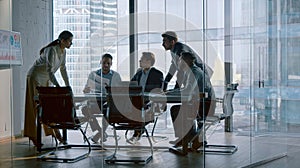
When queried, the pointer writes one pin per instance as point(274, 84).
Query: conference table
point(155, 97)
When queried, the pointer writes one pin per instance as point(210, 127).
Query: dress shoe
point(104, 137)
point(179, 143)
point(96, 137)
point(61, 141)
point(35, 142)
point(133, 140)
point(196, 145)
point(174, 141)
point(93, 140)
point(58, 136)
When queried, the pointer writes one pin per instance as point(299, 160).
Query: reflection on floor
point(19, 153)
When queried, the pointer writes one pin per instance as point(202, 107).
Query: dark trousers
point(149, 118)
point(184, 118)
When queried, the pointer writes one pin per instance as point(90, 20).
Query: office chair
point(57, 111)
point(125, 111)
point(158, 110)
point(227, 107)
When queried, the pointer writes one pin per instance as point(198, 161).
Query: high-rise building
point(92, 22)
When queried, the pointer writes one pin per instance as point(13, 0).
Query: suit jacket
point(154, 80)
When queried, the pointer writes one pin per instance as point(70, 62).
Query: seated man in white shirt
point(96, 82)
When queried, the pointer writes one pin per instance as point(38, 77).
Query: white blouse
point(49, 62)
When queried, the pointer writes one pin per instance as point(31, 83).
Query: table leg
point(65, 135)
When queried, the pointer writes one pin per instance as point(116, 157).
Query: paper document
point(98, 83)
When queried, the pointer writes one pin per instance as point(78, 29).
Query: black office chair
point(125, 111)
point(57, 111)
point(227, 107)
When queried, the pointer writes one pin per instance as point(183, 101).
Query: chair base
point(65, 156)
point(209, 149)
point(119, 158)
point(68, 146)
point(66, 153)
point(134, 159)
point(219, 149)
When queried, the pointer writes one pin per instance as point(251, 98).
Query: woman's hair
point(65, 35)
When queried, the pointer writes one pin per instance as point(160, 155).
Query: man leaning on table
point(196, 82)
point(170, 42)
point(96, 82)
point(150, 79)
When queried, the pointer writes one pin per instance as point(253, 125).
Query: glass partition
point(6, 97)
point(257, 49)
point(248, 42)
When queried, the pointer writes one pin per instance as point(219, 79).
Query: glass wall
point(7, 61)
point(254, 40)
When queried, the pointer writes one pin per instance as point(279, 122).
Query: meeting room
point(149, 83)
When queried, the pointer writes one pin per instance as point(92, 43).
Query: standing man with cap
point(170, 42)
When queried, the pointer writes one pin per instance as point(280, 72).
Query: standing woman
point(52, 57)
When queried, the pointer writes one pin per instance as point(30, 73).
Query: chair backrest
point(125, 105)
point(56, 105)
point(227, 103)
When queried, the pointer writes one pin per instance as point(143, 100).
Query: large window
point(252, 42)
point(103, 26)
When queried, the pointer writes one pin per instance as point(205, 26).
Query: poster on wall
point(10, 48)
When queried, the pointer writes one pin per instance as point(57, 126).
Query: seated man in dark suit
point(183, 116)
point(150, 79)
